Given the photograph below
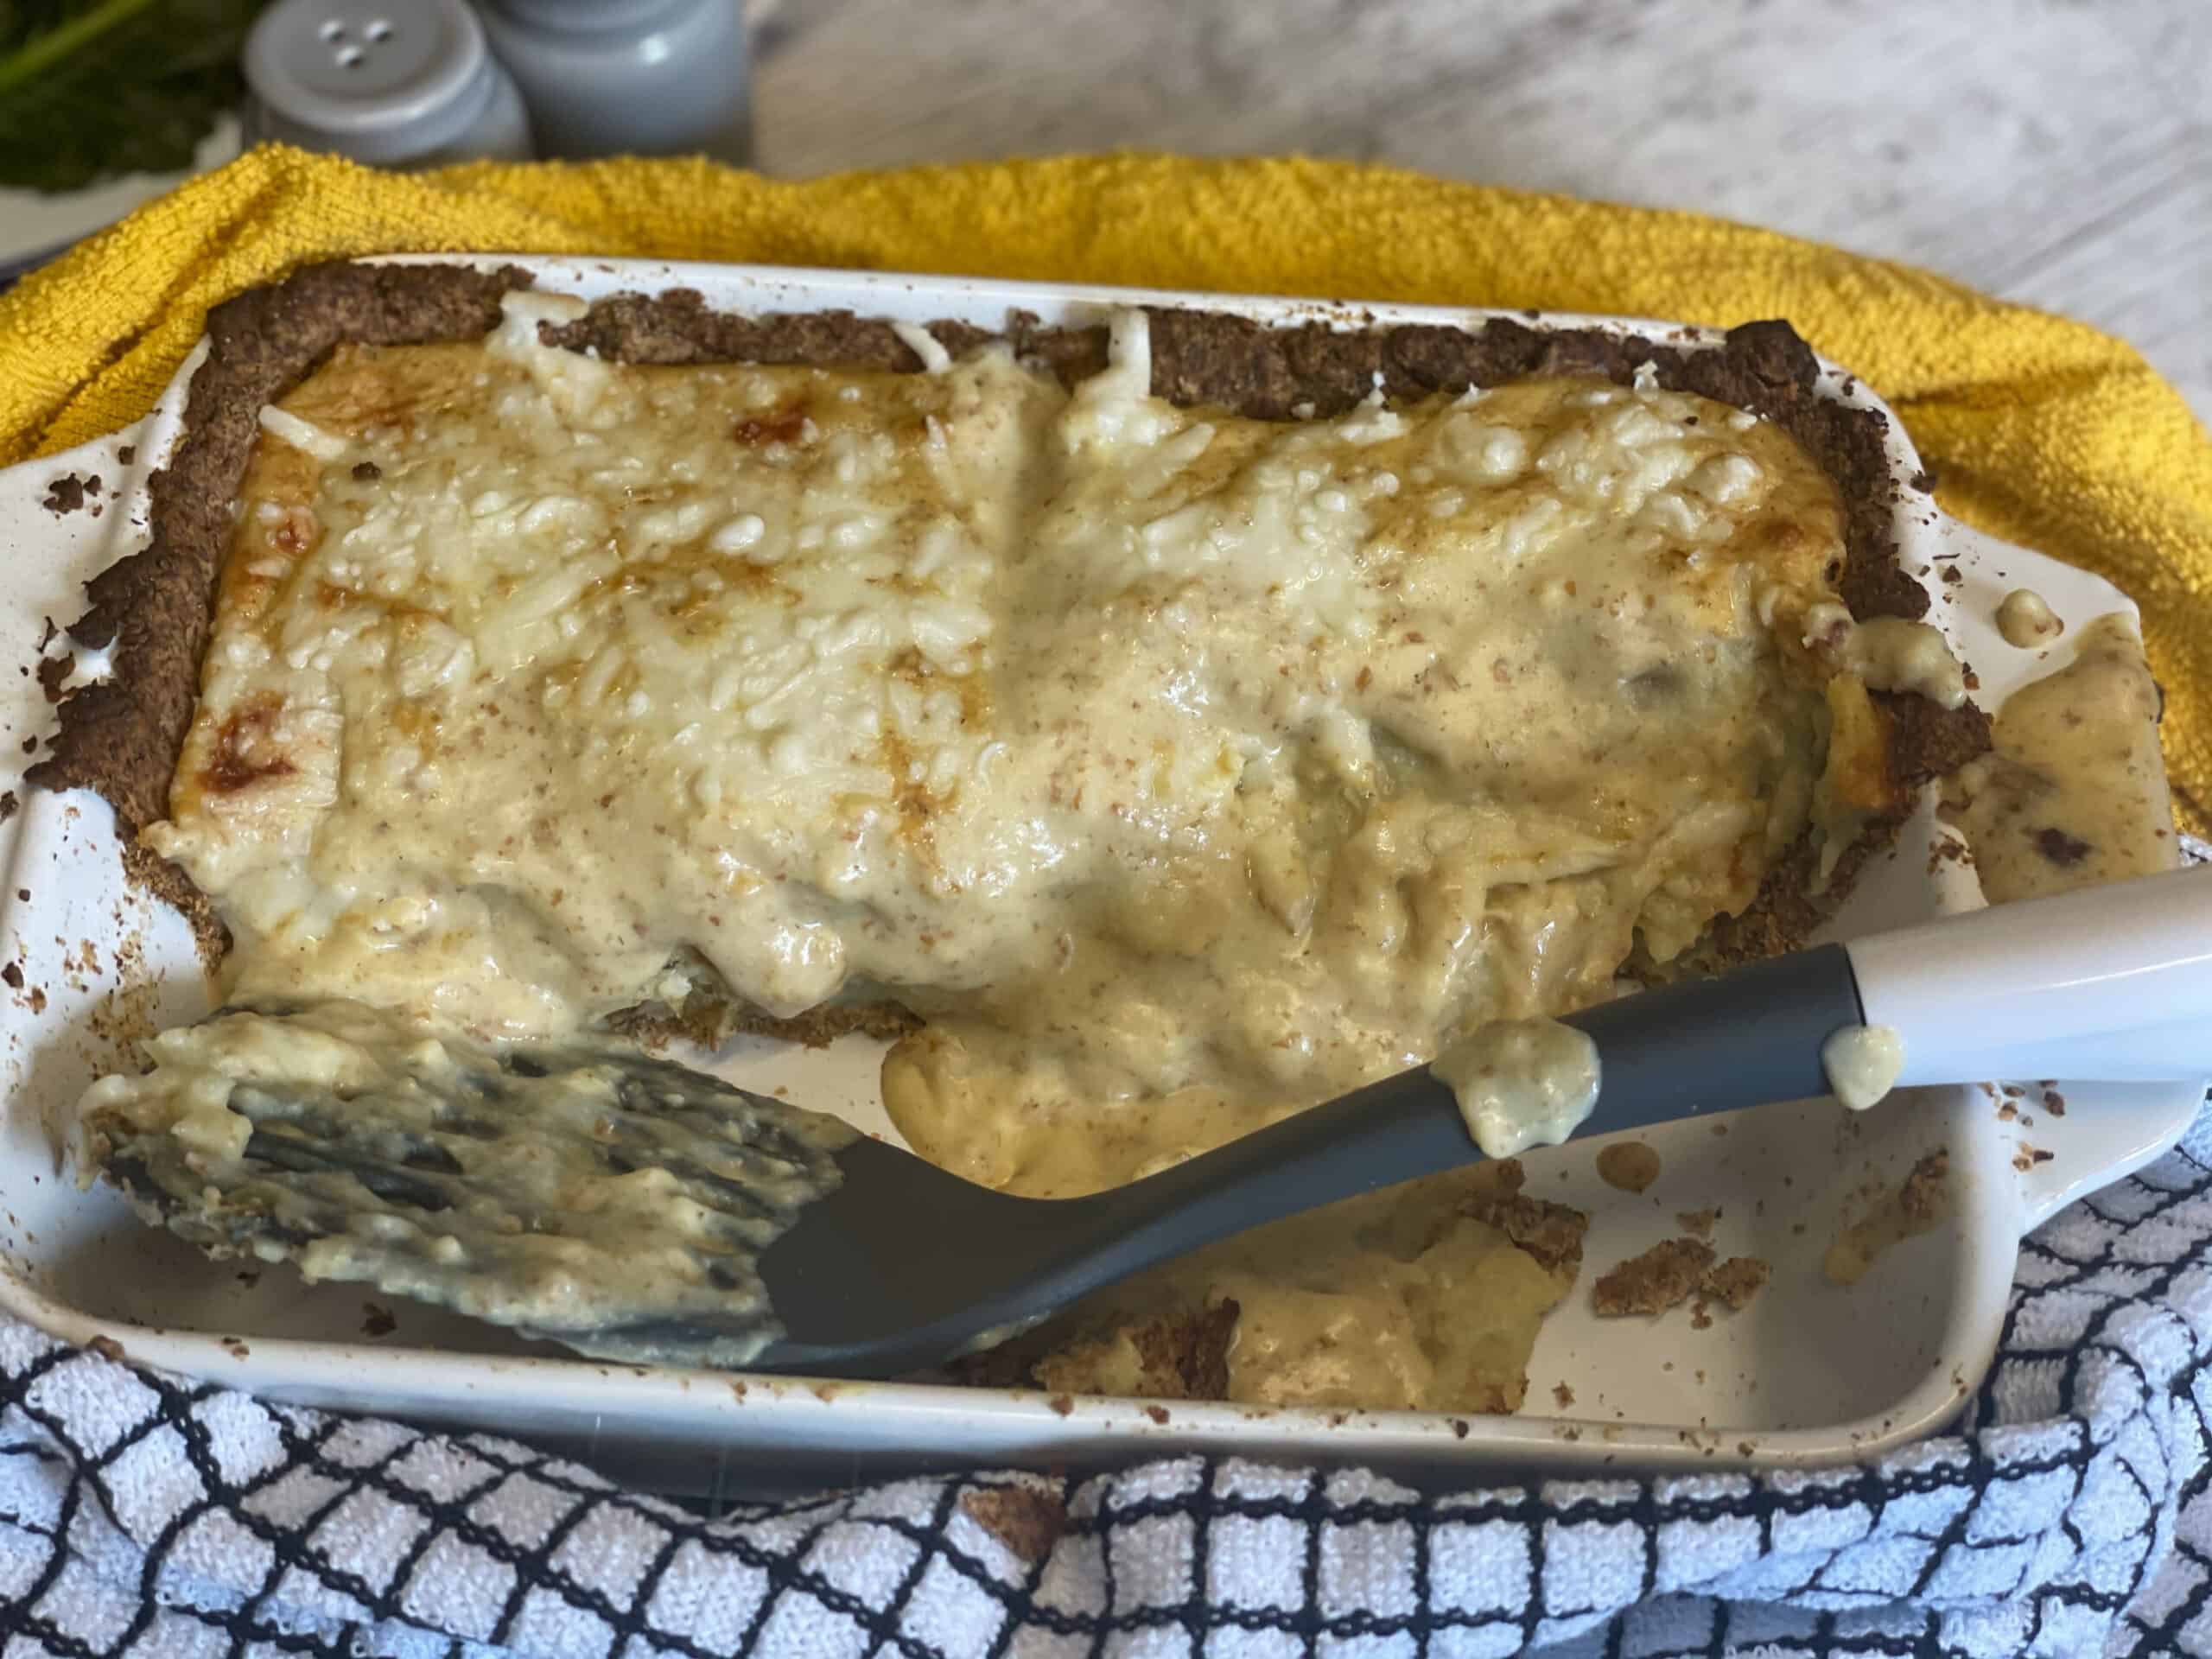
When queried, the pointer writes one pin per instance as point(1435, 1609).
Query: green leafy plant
point(92, 88)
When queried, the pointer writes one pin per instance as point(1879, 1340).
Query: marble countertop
point(2046, 151)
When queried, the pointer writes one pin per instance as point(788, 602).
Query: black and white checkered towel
point(142, 1514)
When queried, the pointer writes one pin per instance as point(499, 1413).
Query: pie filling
point(2072, 791)
point(1177, 770)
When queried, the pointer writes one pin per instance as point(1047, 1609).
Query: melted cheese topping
point(2073, 792)
point(1522, 1083)
point(1181, 770)
point(1862, 1064)
point(2026, 619)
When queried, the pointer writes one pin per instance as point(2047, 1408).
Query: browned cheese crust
point(121, 737)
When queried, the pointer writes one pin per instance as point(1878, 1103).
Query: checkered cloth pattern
point(147, 1516)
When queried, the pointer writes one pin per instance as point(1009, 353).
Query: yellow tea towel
point(2042, 431)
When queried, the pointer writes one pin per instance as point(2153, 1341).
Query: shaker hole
point(350, 57)
point(379, 31)
point(333, 30)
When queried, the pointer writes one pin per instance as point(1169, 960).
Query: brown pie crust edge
point(122, 736)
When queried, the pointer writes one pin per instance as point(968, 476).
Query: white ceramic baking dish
point(1808, 1373)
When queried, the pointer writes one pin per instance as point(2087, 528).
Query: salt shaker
point(637, 77)
point(395, 83)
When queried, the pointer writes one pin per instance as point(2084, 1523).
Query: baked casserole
point(1153, 729)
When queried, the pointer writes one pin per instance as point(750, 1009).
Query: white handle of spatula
point(2112, 984)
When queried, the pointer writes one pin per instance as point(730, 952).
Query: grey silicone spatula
point(899, 1264)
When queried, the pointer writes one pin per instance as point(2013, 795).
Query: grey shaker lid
point(376, 79)
point(598, 15)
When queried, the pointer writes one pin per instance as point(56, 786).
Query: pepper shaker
point(395, 83)
point(637, 77)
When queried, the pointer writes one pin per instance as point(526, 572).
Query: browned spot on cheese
point(783, 424)
point(2061, 848)
point(244, 749)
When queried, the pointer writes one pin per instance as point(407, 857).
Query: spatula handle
point(2107, 984)
point(1705, 1045)
point(2099, 978)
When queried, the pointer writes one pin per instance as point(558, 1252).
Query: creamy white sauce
point(1891, 654)
point(2073, 792)
point(1862, 1064)
point(2025, 620)
point(1522, 1083)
